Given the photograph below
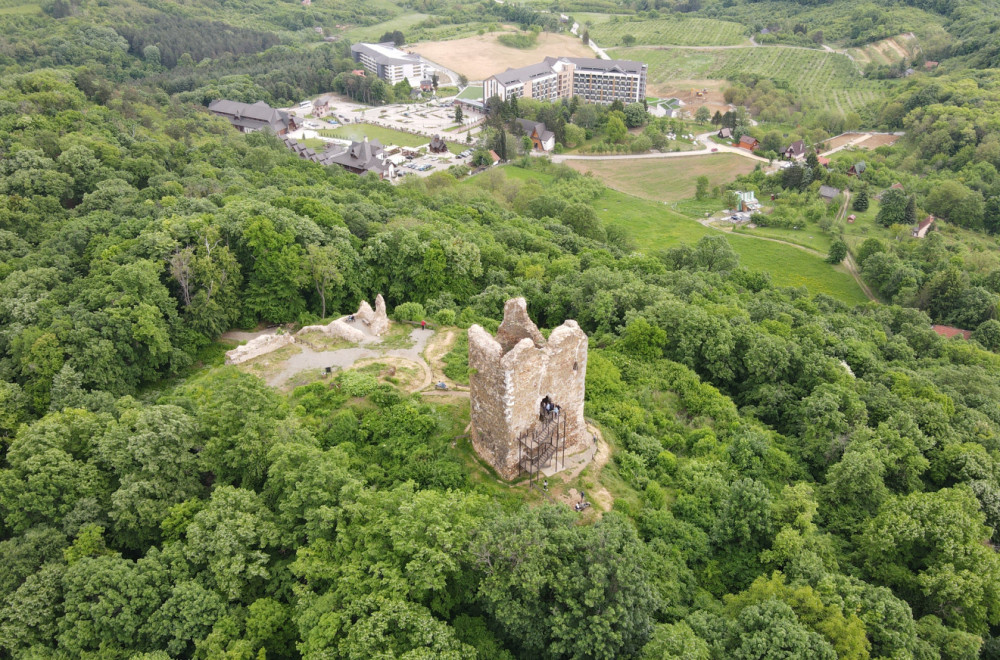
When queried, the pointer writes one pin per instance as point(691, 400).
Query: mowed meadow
point(653, 226)
point(670, 31)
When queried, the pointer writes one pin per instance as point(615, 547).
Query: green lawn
point(26, 8)
point(383, 135)
point(472, 93)
point(809, 236)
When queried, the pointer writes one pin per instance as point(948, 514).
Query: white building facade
point(390, 63)
point(593, 80)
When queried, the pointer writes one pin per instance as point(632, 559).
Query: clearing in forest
point(653, 226)
point(480, 57)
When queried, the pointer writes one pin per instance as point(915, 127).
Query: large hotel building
point(390, 64)
point(593, 80)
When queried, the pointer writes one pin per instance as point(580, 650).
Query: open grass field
point(404, 22)
point(670, 31)
point(383, 135)
point(665, 179)
point(654, 227)
point(480, 57)
point(21, 9)
point(830, 78)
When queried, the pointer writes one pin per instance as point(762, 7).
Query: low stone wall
point(258, 346)
point(338, 329)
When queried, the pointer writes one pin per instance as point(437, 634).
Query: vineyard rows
point(673, 32)
point(828, 78)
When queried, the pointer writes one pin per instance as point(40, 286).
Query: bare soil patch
point(403, 373)
point(481, 56)
point(437, 348)
point(876, 141)
point(841, 140)
point(687, 91)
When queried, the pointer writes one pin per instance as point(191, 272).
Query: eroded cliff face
point(513, 373)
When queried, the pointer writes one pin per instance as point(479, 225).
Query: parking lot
point(431, 118)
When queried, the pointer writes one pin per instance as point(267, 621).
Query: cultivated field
point(670, 31)
point(830, 78)
point(665, 179)
point(481, 56)
point(887, 51)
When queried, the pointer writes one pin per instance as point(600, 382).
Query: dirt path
point(344, 358)
point(437, 348)
point(849, 263)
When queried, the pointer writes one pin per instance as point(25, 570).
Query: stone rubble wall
point(258, 346)
point(338, 329)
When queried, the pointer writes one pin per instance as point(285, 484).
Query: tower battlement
point(513, 374)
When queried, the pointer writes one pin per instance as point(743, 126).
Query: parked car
point(714, 149)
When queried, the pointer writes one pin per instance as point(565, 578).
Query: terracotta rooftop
point(947, 331)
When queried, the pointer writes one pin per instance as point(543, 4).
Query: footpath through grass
point(653, 227)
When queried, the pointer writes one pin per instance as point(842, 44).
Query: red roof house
point(948, 332)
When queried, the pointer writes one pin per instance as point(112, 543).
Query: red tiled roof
point(947, 331)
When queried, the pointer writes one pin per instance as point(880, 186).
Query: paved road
point(706, 151)
point(592, 44)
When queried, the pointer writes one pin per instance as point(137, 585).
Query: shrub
point(409, 311)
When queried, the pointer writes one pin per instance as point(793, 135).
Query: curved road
point(703, 138)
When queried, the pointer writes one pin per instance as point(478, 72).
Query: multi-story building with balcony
point(390, 63)
point(593, 80)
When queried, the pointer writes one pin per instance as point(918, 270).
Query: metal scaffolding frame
point(539, 444)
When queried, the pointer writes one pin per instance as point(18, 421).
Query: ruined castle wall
point(258, 346)
point(513, 373)
point(487, 393)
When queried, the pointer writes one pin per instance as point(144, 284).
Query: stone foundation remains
point(511, 375)
point(258, 346)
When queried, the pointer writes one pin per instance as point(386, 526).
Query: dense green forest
point(791, 477)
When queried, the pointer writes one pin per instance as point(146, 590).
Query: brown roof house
point(857, 169)
point(948, 331)
point(321, 107)
point(542, 138)
point(921, 230)
point(438, 145)
point(725, 133)
point(747, 142)
point(252, 117)
point(828, 193)
point(795, 151)
point(360, 158)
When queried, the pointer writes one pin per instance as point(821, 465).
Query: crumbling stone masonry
point(258, 346)
point(376, 320)
point(511, 375)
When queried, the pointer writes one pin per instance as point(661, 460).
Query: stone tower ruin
point(513, 378)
